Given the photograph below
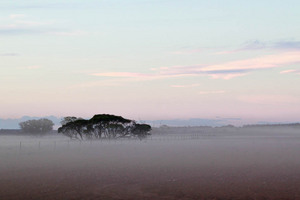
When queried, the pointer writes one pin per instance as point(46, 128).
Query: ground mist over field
point(260, 164)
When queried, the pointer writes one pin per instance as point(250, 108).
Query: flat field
point(224, 166)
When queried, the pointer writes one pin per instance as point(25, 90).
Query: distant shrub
point(40, 126)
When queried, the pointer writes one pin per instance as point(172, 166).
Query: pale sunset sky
point(151, 59)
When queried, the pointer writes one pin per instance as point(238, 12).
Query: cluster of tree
point(103, 126)
point(40, 126)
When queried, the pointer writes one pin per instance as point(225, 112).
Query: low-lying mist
point(226, 164)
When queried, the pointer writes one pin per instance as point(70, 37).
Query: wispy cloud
point(226, 70)
point(290, 45)
point(260, 45)
point(236, 68)
point(262, 62)
point(227, 76)
point(248, 46)
point(291, 71)
point(280, 45)
point(253, 45)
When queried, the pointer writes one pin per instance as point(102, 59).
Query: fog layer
point(203, 166)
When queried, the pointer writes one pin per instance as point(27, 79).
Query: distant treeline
point(19, 132)
point(294, 125)
point(164, 129)
point(10, 131)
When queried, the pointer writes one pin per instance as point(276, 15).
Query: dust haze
point(172, 163)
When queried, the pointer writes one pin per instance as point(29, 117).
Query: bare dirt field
point(223, 168)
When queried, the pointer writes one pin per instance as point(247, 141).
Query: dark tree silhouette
point(104, 126)
point(68, 119)
point(141, 130)
point(39, 126)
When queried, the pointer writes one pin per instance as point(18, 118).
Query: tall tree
point(68, 119)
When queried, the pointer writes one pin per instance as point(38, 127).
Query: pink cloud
point(263, 62)
point(291, 71)
point(226, 76)
point(226, 71)
point(236, 68)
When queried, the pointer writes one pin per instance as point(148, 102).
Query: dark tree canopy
point(68, 119)
point(141, 130)
point(39, 126)
point(104, 126)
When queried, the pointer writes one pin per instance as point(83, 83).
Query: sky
point(151, 59)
